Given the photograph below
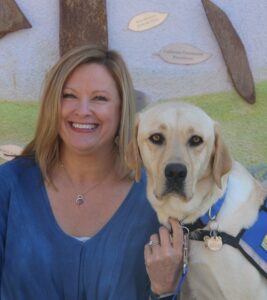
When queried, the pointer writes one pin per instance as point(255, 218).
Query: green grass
point(17, 122)
point(244, 126)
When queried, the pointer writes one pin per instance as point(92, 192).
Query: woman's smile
point(83, 126)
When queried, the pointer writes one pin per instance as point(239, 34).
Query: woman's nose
point(85, 106)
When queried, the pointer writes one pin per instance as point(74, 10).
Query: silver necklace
point(80, 197)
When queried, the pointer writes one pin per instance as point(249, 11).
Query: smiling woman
point(70, 69)
point(68, 204)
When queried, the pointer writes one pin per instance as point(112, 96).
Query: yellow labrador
point(191, 177)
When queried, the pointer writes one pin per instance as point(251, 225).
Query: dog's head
point(179, 145)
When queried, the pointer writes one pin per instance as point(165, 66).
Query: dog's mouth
point(175, 189)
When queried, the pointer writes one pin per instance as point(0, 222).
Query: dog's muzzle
point(175, 174)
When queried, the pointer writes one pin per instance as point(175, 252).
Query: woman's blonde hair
point(45, 146)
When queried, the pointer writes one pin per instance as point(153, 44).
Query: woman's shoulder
point(140, 193)
point(16, 167)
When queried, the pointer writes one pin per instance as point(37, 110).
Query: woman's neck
point(88, 167)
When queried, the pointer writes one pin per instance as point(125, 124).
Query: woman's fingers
point(153, 243)
point(163, 255)
point(175, 239)
point(177, 234)
point(165, 238)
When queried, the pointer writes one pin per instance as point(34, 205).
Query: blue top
point(39, 261)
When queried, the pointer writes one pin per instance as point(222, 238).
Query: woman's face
point(90, 110)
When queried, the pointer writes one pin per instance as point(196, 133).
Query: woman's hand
point(163, 258)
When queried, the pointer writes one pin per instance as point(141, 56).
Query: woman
point(73, 225)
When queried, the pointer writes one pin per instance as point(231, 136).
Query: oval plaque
point(8, 152)
point(147, 21)
point(183, 54)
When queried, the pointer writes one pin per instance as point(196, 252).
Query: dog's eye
point(195, 140)
point(157, 139)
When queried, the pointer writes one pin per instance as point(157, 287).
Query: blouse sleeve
point(4, 204)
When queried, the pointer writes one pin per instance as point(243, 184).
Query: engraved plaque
point(183, 54)
point(8, 152)
point(147, 21)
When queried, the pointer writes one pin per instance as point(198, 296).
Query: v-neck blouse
point(38, 260)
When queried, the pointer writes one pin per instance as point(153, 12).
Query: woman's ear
point(133, 157)
point(222, 161)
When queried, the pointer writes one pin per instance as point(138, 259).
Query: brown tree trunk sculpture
point(82, 22)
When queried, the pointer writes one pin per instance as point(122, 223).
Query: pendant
point(79, 200)
point(214, 243)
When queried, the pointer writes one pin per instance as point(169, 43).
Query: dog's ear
point(133, 157)
point(222, 162)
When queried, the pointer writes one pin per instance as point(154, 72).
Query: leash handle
point(185, 261)
point(180, 283)
point(185, 249)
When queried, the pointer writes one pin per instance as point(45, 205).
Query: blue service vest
point(252, 242)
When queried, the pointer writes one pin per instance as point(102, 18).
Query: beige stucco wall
point(26, 55)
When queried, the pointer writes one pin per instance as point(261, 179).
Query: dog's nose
point(175, 172)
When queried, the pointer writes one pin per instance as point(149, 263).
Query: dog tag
point(214, 243)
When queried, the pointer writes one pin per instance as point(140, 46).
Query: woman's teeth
point(84, 126)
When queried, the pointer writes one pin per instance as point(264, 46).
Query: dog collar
point(209, 215)
point(214, 210)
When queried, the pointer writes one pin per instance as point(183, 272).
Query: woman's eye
point(68, 96)
point(157, 138)
point(100, 98)
point(195, 140)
